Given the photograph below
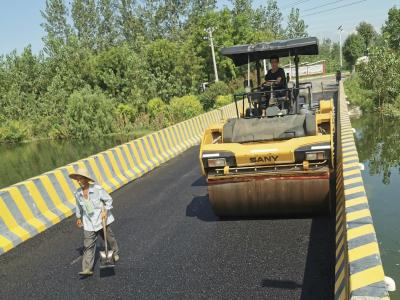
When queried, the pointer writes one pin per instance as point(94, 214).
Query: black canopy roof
point(242, 53)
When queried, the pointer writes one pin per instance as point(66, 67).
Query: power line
point(320, 6)
point(334, 8)
point(349, 22)
point(295, 3)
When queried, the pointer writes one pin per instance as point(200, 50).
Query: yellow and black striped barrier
point(29, 207)
point(358, 271)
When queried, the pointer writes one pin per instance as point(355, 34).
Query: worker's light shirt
point(90, 210)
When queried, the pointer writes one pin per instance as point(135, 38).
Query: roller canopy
point(241, 53)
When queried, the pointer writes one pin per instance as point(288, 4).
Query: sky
point(20, 19)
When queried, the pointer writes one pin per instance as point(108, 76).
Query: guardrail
point(358, 270)
point(30, 207)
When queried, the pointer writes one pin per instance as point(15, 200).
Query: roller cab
point(279, 164)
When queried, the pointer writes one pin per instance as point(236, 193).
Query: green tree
point(391, 29)
point(108, 29)
point(56, 26)
point(122, 75)
point(209, 97)
point(223, 35)
point(274, 18)
point(20, 85)
point(173, 14)
point(367, 32)
point(89, 113)
point(163, 19)
point(262, 31)
point(296, 27)
point(184, 108)
point(380, 76)
point(242, 14)
point(132, 26)
point(174, 66)
point(353, 48)
point(86, 22)
point(328, 51)
point(199, 8)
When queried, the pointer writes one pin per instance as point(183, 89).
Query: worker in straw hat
point(90, 200)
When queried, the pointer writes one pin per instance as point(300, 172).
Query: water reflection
point(377, 141)
point(22, 161)
point(378, 146)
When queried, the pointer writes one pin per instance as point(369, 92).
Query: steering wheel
point(271, 82)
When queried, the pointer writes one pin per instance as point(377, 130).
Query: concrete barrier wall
point(358, 271)
point(29, 207)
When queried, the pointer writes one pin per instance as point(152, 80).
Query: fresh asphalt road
point(173, 247)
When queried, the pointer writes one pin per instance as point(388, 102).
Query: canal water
point(378, 145)
point(25, 160)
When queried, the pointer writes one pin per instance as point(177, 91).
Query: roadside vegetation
point(375, 84)
point(119, 66)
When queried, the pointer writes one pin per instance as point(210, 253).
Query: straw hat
point(81, 172)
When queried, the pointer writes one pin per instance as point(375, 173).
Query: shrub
point(156, 106)
point(58, 132)
point(380, 77)
point(89, 113)
point(14, 131)
point(142, 121)
point(209, 97)
point(357, 95)
point(161, 120)
point(184, 108)
point(392, 110)
point(125, 116)
point(223, 100)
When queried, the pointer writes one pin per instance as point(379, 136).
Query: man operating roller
point(275, 79)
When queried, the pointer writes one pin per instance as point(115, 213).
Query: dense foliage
point(376, 83)
point(353, 48)
point(104, 60)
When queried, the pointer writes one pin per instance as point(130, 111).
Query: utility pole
point(340, 28)
point(210, 37)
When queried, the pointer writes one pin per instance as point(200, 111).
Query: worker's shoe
point(86, 273)
point(116, 257)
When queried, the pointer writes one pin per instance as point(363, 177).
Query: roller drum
point(269, 196)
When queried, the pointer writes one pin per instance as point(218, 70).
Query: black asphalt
point(173, 247)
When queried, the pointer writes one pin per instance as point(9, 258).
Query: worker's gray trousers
point(89, 244)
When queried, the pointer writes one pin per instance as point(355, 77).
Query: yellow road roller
point(275, 163)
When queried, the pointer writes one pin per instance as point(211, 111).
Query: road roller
point(273, 163)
